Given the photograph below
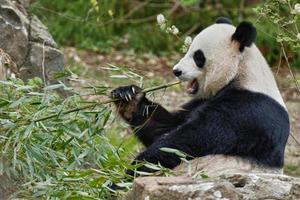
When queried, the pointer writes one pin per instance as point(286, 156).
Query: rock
point(216, 165)
point(166, 188)
point(14, 36)
point(8, 69)
point(225, 187)
point(40, 34)
point(217, 177)
point(264, 186)
point(46, 60)
point(28, 42)
point(8, 183)
point(26, 3)
point(7, 187)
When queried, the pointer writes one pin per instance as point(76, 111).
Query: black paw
point(115, 187)
point(127, 93)
point(130, 172)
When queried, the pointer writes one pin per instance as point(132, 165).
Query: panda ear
point(223, 20)
point(245, 35)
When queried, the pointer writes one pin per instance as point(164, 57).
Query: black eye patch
point(199, 58)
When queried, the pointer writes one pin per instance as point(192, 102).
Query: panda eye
point(199, 58)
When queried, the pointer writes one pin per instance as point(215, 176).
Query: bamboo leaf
point(25, 87)
point(152, 166)
point(119, 76)
point(54, 87)
point(175, 151)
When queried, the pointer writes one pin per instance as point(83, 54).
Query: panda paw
point(127, 100)
point(127, 93)
point(115, 187)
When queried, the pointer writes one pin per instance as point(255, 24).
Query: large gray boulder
point(226, 187)
point(217, 177)
point(28, 42)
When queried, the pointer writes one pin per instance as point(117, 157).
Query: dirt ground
point(90, 67)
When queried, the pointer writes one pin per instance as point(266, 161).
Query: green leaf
point(62, 74)
point(189, 2)
point(4, 102)
point(152, 166)
point(23, 100)
point(106, 117)
point(144, 173)
point(175, 151)
point(25, 87)
point(54, 87)
point(204, 175)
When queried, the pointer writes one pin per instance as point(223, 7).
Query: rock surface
point(28, 42)
point(216, 165)
point(8, 69)
point(225, 187)
point(217, 177)
point(6, 187)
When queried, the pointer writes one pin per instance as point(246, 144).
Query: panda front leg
point(149, 120)
point(153, 154)
point(195, 139)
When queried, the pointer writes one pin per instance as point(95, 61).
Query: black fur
point(199, 58)
point(223, 20)
point(245, 35)
point(234, 122)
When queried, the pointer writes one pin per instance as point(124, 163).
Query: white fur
point(257, 76)
point(224, 62)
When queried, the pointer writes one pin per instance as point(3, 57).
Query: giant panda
point(236, 109)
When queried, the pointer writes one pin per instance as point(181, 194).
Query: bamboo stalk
point(103, 102)
point(160, 87)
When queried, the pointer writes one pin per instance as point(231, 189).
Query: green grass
point(292, 170)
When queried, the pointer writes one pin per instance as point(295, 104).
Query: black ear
point(245, 35)
point(223, 20)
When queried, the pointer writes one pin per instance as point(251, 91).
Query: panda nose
point(177, 72)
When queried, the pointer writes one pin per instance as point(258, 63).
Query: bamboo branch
point(160, 87)
point(147, 90)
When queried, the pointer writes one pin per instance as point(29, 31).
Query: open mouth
point(193, 87)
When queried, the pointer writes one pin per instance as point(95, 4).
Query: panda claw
point(121, 96)
point(129, 96)
point(133, 90)
point(113, 94)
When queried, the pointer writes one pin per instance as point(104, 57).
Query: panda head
point(214, 56)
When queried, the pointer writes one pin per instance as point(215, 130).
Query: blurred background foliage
point(109, 25)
